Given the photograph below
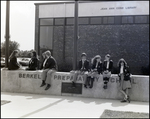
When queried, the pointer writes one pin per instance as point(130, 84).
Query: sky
point(22, 22)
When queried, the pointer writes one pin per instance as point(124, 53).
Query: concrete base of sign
point(21, 81)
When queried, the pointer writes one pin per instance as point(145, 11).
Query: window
point(46, 37)
point(118, 20)
point(97, 20)
point(108, 20)
point(59, 21)
point(111, 20)
point(127, 19)
point(70, 21)
point(46, 21)
point(83, 20)
point(140, 19)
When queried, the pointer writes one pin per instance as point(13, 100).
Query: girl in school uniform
point(96, 68)
point(13, 64)
point(125, 80)
point(33, 63)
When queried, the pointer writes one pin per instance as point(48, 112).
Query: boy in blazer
point(83, 68)
point(49, 67)
point(107, 69)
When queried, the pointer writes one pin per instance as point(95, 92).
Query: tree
point(13, 45)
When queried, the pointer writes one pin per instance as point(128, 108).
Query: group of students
point(89, 71)
point(104, 68)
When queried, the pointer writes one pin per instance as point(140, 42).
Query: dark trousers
point(106, 80)
point(90, 81)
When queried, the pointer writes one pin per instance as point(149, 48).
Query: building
point(120, 28)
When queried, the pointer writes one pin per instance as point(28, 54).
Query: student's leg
point(105, 82)
point(49, 78)
point(122, 89)
point(92, 79)
point(86, 79)
point(75, 78)
point(44, 75)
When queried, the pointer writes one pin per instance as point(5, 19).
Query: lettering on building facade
point(118, 8)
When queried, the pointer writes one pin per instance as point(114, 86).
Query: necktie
point(82, 64)
point(45, 62)
point(107, 64)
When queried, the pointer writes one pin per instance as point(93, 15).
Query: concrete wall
point(21, 81)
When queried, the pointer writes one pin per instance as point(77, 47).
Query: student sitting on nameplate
point(97, 68)
point(49, 67)
point(13, 64)
point(33, 63)
point(83, 69)
point(107, 69)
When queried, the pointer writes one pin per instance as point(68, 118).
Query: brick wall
point(130, 42)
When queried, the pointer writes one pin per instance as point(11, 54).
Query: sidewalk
point(48, 106)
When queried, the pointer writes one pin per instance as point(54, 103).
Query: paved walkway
point(44, 106)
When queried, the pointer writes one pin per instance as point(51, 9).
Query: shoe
point(43, 84)
point(85, 86)
point(128, 99)
point(48, 86)
point(105, 86)
point(123, 101)
point(90, 87)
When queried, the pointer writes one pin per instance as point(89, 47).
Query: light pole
point(7, 33)
point(75, 36)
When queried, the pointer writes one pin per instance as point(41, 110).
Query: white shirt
point(96, 64)
point(121, 70)
point(107, 64)
point(45, 62)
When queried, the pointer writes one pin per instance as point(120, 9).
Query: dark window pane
point(105, 20)
point(83, 20)
point(110, 20)
point(46, 37)
point(70, 21)
point(130, 19)
point(148, 18)
point(124, 19)
point(140, 19)
point(96, 20)
point(46, 21)
point(59, 21)
point(117, 20)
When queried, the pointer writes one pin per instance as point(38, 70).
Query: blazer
point(105, 65)
point(126, 73)
point(85, 67)
point(13, 64)
point(99, 67)
point(50, 63)
point(33, 63)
